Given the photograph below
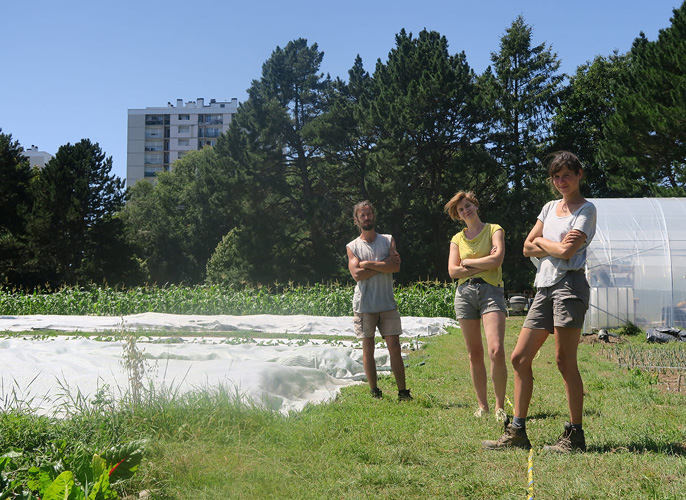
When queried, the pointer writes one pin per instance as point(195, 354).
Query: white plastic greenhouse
point(636, 264)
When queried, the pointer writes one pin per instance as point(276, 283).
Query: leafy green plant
point(629, 328)
point(10, 485)
point(639, 377)
point(73, 476)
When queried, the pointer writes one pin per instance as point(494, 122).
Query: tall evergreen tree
point(289, 186)
point(586, 106)
point(347, 137)
point(15, 204)
point(524, 91)
point(425, 109)
point(75, 232)
point(346, 133)
point(645, 137)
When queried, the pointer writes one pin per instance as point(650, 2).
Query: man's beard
point(368, 226)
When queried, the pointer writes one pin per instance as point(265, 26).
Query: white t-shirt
point(552, 269)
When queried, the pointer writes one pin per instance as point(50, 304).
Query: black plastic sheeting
point(664, 334)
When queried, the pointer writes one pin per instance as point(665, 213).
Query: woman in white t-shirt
point(557, 245)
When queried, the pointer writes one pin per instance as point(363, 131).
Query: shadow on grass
point(544, 415)
point(678, 449)
point(428, 400)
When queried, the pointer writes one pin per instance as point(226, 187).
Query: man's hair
point(561, 159)
point(451, 207)
point(358, 206)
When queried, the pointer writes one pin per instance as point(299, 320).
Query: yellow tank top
point(479, 246)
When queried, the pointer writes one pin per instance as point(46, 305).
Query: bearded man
point(372, 260)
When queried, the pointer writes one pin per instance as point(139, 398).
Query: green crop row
point(658, 359)
point(430, 299)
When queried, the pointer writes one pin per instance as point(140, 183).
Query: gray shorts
point(562, 305)
point(388, 323)
point(473, 300)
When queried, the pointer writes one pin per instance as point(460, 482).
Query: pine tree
point(346, 134)
point(646, 137)
point(15, 203)
point(523, 88)
point(75, 232)
point(586, 107)
point(287, 183)
point(426, 111)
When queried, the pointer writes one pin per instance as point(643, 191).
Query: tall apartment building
point(37, 158)
point(159, 136)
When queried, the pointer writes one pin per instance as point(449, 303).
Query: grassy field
point(208, 446)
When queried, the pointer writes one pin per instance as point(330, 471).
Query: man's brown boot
point(513, 437)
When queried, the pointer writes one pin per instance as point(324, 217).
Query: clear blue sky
point(71, 69)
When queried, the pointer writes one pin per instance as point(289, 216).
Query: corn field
point(429, 299)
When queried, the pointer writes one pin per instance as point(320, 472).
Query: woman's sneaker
point(570, 440)
point(376, 393)
point(513, 437)
point(480, 412)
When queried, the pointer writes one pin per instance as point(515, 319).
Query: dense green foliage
point(429, 299)
point(15, 205)
point(62, 224)
point(272, 201)
point(292, 198)
point(177, 224)
point(645, 139)
point(578, 125)
point(426, 118)
point(74, 229)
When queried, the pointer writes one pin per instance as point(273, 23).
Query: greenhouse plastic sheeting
point(636, 264)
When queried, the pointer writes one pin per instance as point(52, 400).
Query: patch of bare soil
point(593, 339)
point(672, 381)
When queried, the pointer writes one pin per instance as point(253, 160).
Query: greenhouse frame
point(636, 264)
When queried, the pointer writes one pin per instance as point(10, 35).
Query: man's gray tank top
point(374, 294)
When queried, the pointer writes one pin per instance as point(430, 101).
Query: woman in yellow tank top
point(476, 257)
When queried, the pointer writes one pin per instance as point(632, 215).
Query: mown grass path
point(360, 448)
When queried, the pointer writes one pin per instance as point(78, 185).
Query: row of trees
point(272, 201)
point(62, 224)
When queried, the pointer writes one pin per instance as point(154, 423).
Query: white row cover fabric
point(268, 323)
point(636, 263)
point(46, 373)
point(57, 375)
